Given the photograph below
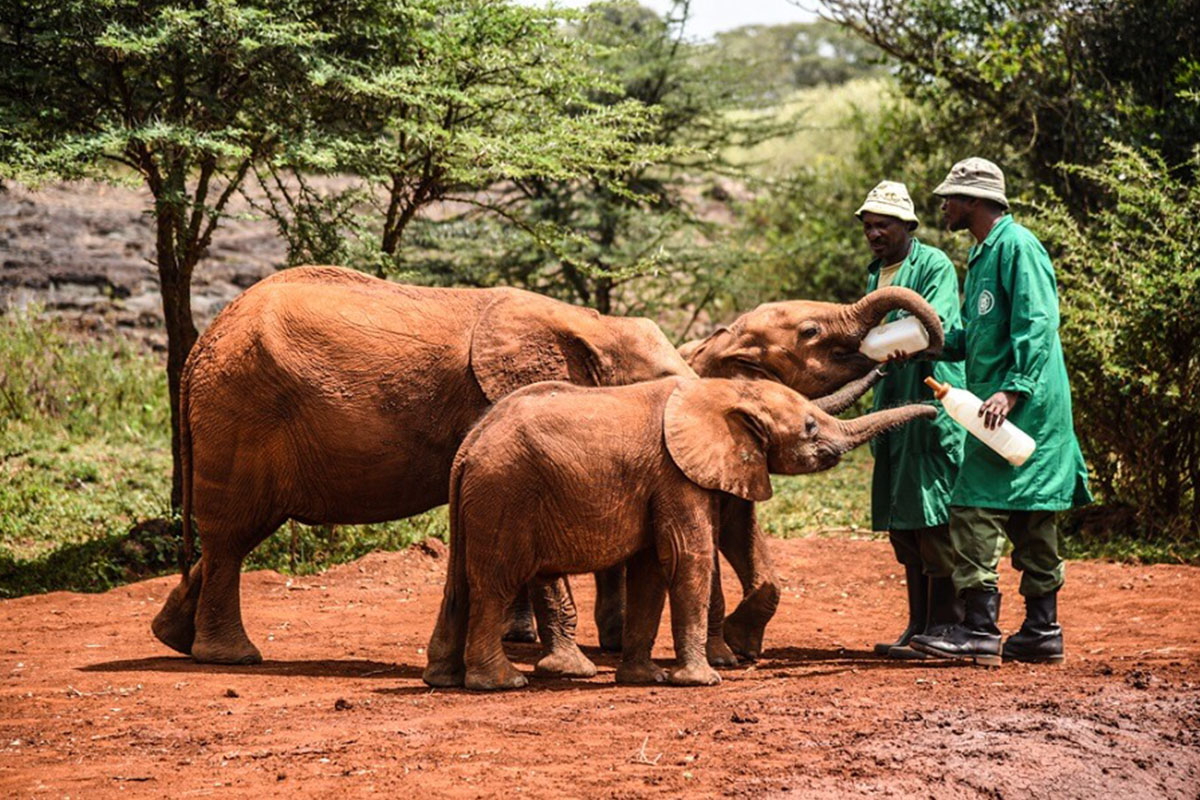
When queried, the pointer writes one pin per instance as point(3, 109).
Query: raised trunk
point(870, 311)
point(853, 432)
point(845, 397)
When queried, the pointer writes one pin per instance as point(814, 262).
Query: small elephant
point(558, 479)
point(327, 396)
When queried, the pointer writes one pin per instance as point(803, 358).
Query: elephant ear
point(523, 338)
point(716, 439)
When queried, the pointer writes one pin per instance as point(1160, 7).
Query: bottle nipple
point(939, 389)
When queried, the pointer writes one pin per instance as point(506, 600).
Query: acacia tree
point(186, 96)
point(193, 96)
point(651, 238)
point(445, 99)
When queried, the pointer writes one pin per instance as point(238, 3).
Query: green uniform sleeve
point(1029, 281)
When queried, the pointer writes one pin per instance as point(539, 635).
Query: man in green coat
point(915, 466)
point(1015, 364)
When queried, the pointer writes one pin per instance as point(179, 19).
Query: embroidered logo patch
point(987, 301)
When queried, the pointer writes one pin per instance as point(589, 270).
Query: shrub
point(1130, 289)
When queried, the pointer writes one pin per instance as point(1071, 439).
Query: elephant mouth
point(756, 368)
point(853, 358)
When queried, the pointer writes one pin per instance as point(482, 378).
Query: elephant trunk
point(837, 402)
point(870, 311)
point(853, 432)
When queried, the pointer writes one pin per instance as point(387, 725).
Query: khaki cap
point(974, 177)
point(891, 199)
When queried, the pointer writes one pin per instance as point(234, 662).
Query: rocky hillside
point(84, 251)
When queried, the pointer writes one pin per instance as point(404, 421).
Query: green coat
point(1010, 342)
point(915, 466)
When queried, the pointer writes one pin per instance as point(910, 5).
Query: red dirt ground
point(91, 705)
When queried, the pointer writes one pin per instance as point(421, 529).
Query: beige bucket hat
point(891, 199)
point(974, 177)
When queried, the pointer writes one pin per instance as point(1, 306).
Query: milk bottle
point(1007, 439)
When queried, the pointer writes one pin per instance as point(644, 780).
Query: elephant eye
point(808, 330)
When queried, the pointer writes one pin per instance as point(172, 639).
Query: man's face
point(956, 212)
point(886, 236)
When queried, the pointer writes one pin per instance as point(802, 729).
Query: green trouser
point(928, 548)
point(978, 537)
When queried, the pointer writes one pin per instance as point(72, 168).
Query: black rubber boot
point(945, 610)
point(975, 639)
point(918, 608)
point(1040, 640)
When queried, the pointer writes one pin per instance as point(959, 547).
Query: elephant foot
point(177, 631)
point(175, 623)
point(694, 675)
point(744, 628)
point(719, 654)
point(640, 673)
point(207, 652)
point(520, 624)
point(565, 662)
point(444, 674)
point(520, 631)
point(505, 677)
point(610, 637)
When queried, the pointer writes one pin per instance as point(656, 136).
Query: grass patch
point(832, 503)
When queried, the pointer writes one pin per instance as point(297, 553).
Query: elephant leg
point(487, 667)
point(445, 667)
point(689, 594)
point(520, 621)
point(645, 592)
point(220, 636)
point(744, 546)
point(719, 654)
point(610, 606)
point(555, 609)
point(175, 624)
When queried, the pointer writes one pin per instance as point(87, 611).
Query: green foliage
point(1131, 334)
point(626, 234)
point(84, 451)
point(803, 54)
point(1035, 83)
point(430, 101)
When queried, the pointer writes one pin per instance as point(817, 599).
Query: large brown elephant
point(604, 476)
point(327, 396)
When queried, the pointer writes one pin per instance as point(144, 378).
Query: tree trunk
point(175, 280)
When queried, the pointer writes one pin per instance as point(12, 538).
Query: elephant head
point(730, 435)
point(809, 346)
point(522, 338)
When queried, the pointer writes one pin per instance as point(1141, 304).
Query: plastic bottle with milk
point(906, 335)
point(1006, 439)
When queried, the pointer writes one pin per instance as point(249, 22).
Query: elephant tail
point(185, 466)
point(457, 588)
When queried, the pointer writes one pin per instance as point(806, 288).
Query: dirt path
point(92, 706)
